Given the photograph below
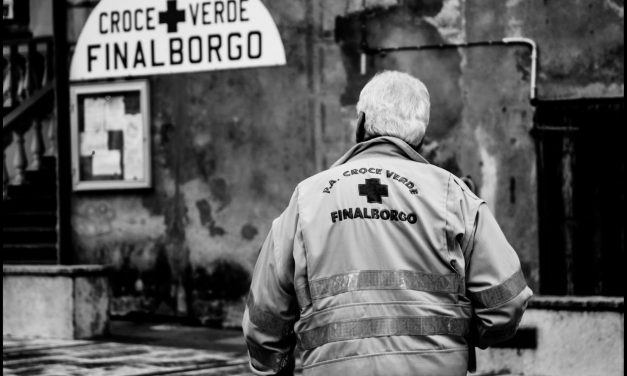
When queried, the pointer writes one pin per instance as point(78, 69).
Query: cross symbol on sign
point(172, 17)
point(373, 190)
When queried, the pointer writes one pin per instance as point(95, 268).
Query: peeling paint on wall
point(449, 21)
point(206, 218)
point(489, 172)
point(92, 219)
point(618, 8)
point(249, 231)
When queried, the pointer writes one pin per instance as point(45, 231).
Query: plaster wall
point(36, 307)
point(569, 344)
point(91, 306)
point(55, 301)
point(230, 146)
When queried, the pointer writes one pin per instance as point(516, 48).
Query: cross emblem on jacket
point(373, 190)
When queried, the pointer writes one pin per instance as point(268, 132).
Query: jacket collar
point(383, 145)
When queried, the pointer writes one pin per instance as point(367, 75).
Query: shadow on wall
point(216, 290)
point(203, 295)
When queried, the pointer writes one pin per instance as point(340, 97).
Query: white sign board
point(124, 38)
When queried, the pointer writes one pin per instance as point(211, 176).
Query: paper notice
point(133, 165)
point(93, 142)
point(94, 115)
point(114, 113)
point(106, 162)
point(133, 148)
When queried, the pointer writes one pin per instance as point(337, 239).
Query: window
point(581, 196)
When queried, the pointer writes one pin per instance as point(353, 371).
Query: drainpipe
point(534, 60)
point(367, 50)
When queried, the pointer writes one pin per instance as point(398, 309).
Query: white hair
point(395, 104)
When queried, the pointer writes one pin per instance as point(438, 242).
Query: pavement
point(131, 349)
point(135, 349)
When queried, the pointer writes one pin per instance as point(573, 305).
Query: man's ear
point(360, 133)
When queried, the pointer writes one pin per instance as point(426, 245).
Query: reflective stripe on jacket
point(382, 265)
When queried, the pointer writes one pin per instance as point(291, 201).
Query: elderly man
point(383, 264)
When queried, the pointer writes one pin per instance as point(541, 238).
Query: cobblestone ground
point(99, 358)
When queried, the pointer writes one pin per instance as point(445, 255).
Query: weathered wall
point(569, 343)
point(55, 301)
point(39, 297)
point(229, 146)
point(581, 42)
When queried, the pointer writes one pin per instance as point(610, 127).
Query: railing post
point(51, 134)
point(19, 161)
point(64, 157)
point(5, 176)
point(23, 80)
point(37, 147)
point(29, 83)
point(13, 74)
point(48, 70)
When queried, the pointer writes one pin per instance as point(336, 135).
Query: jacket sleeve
point(271, 309)
point(494, 281)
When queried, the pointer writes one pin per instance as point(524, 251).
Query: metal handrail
point(12, 121)
point(23, 41)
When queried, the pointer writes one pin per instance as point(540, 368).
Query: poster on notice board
point(110, 136)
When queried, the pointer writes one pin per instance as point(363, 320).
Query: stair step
point(29, 219)
point(29, 235)
point(29, 254)
point(30, 190)
point(49, 163)
point(41, 177)
point(33, 204)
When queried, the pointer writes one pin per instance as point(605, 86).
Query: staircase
point(61, 299)
point(29, 218)
point(29, 200)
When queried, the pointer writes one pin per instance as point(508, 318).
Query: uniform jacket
point(382, 265)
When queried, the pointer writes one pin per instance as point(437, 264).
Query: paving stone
point(95, 358)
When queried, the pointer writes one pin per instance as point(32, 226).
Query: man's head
point(394, 104)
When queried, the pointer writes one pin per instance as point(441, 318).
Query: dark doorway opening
point(581, 196)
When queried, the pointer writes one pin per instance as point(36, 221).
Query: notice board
point(110, 136)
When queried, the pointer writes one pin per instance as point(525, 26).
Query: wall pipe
point(367, 50)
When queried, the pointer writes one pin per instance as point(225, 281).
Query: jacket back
point(393, 266)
